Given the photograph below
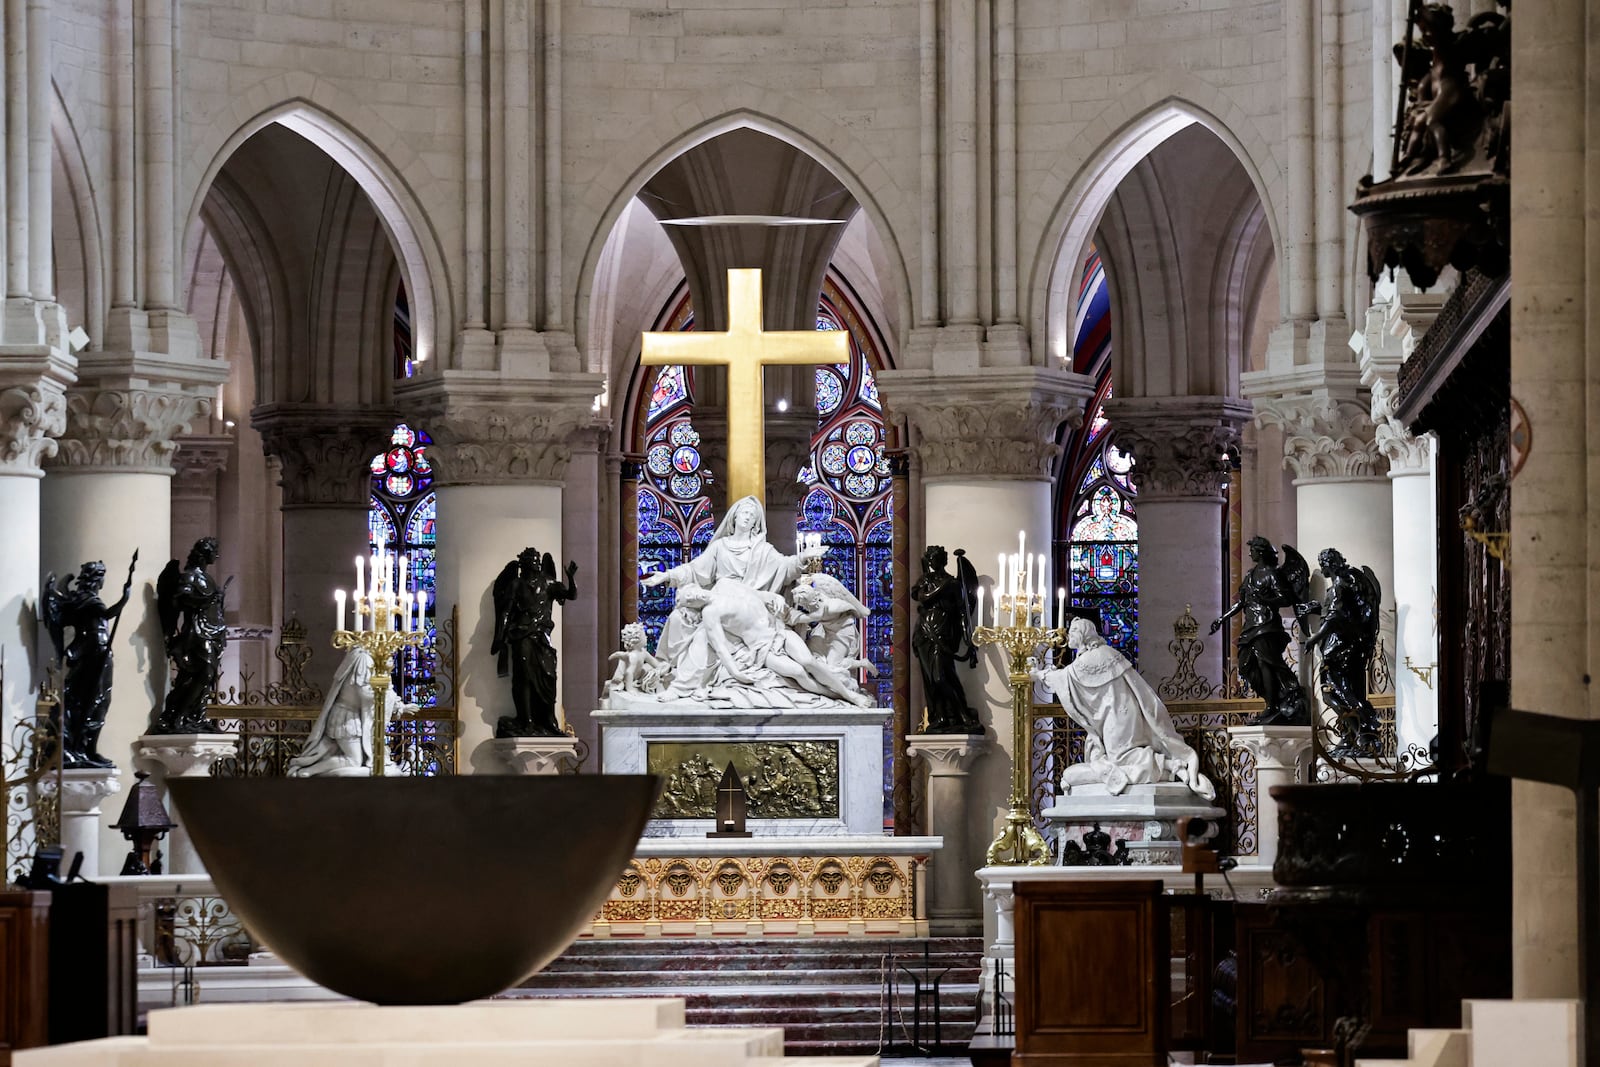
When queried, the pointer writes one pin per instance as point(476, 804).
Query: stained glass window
point(1095, 504)
point(401, 518)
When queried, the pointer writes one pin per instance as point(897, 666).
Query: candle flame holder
point(382, 641)
point(1019, 843)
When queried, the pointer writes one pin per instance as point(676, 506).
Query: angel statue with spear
point(86, 689)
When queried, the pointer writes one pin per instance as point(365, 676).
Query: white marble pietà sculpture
point(340, 742)
point(751, 629)
point(1130, 737)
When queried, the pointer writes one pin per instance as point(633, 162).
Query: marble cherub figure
point(1129, 736)
point(638, 669)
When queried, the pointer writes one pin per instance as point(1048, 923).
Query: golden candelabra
point(382, 641)
point(1018, 842)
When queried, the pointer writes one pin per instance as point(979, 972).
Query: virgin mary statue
point(727, 622)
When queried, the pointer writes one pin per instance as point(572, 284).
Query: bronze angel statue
point(190, 603)
point(86, 685)
point(525, 595)
point(1267, 588)
point(1346, 638)
point(946, 604)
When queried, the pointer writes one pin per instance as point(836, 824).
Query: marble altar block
point(486, 1033)
point(828, 762)
point(1145, 816)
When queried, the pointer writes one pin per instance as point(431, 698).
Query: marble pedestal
point(635, 741)
point(82, 790)
point(955, 907)
point(1145, 816)
point(536, 755)
point(181, 756)
point(1282, 756)
point(486, 1033)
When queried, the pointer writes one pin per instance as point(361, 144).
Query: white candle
point(1061, 605)
point(361, 582)
point(1000, 584)
point(1027, 583)
point(406, 601)
point(403, 587)
point(422, 609)
point(977, 616)
point(338, 612)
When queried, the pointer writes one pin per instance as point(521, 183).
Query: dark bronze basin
point(415, 890)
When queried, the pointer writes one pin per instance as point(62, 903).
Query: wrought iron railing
point(30, 779)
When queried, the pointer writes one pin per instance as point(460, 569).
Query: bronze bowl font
point(415, 890)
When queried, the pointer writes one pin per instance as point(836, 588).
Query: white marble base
point(536, 755)
point(627, 735)
point(182, 756)
point(501, 1033)
point(1145, 816)
point(82, 790)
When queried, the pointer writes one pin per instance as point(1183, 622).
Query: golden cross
point(745, 349)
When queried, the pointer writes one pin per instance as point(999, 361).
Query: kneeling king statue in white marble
point(340, 742)
point(751, 629)
point(1130, 739)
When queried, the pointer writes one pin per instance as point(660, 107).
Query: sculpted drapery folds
point(1266, 589)
point(943, 637)
point(525, 596)
point(190, 602)
point(86, 687)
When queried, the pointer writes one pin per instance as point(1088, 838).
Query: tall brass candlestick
point(382, 641)
point(1018, 843)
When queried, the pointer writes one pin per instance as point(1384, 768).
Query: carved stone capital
point(128, 409)
point(493, 431)
point(1407, 453)
point(185, 755)
point(999, 423)
point(32, 416)
point(323, 453)
point(1276, 748)
point(537, 755)
point(788, 450)
point(1178, 443)
point(947, 755)
point(1324, 437)
point(198, 461)
point(83, 788)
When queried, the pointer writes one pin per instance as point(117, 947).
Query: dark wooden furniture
point(1093, 974)
point(93, 944)
point(24, 971)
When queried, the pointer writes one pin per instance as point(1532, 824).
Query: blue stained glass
point(1105, 568)
point(402, 517)
point(830, 391)
point(671, 388)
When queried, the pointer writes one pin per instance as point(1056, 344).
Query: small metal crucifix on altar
point(733, 806)
point(745, 349)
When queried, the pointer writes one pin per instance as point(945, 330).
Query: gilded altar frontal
point(785, 779)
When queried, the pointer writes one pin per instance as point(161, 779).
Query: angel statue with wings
point(525, 596)
point(193, 621)
point(1267, 588)
point(86, 689)
point(1346, 637)
point(943, 637)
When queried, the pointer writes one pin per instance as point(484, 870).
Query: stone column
point(501, 449)
point(987, 446)
point(1283, 757)
point(33, 411)
point(108, 491)
point(1553, 375)
point(197, 463)
point(182, 756)
point(1342, 498)
point(955, 908)
point(1179, 469)
point(788, 450)
point(324, 458)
